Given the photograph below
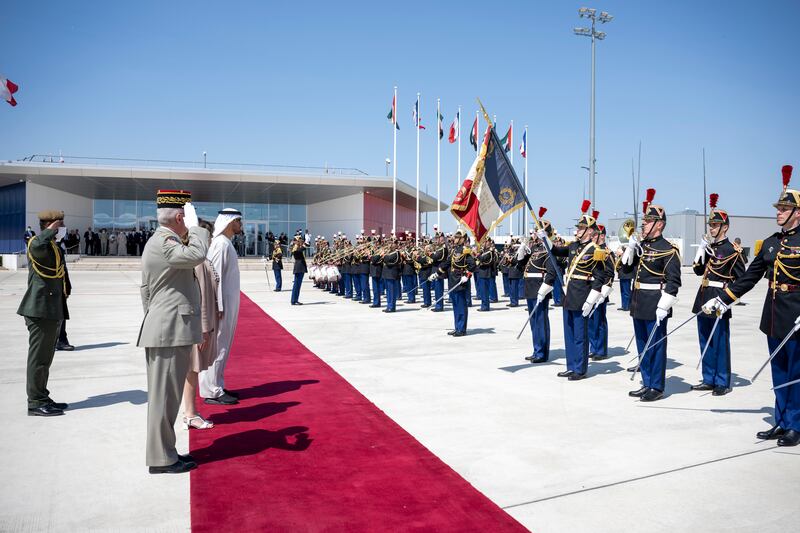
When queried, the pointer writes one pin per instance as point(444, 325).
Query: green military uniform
point(44, 306)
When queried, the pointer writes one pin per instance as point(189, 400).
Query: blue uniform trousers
point(717, 360)
point(376, 291)
point(348, 285)
point(654, 362)
point(540, 328)
point(513, 290)
point(786, 368)
point(298, 280)
point(425, 286)
point(469, 292)
point(438, 293)
point(410, 285)
point(558, 294)
point(576, 341)
point(484, 292)
point(278, 279)
point(460, 310)
point(492, 284)
point(365, 296)
point(506, 285)
point(625, 293)
point(391, 294)
point(521, 293)
point(598, 331)
point(356, 286)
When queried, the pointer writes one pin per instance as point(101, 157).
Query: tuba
point(627, 229)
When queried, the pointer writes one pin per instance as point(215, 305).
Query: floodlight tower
point(603, 17)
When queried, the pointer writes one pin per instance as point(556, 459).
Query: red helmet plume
point(651, 194)
point(595, 214)
point(787, 175)
point(585, 205)
point(644, 206)
point(712, 200)
point(542, 211)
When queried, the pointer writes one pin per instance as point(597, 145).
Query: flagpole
point(458, 177)
point(511, 143)
point(416, 221)
point(438, 163)
point(478, 118)
point(394, 160)
point(525, 140)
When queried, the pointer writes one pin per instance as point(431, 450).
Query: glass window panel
point(207, 210)
point(146, 214)
point(278, 212)
point(125, 214)
point(255, 212)
point(297, 225)
point(297, 212)
point(103, 214)
point(232, 205)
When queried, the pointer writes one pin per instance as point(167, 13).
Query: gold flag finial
point(485, 114)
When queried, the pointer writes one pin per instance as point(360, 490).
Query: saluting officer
point(657, 279)
point(598, 319)
point(277, 265)
point(540, 276)
point(778, 260)
point(719, 262)
point(458, 270)
point(44, 307)
point(585, 277)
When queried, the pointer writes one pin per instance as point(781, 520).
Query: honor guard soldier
point(362, 268)
point(423, 259)
point(625, 276)
point(347, 269)
point(540, 276)
point(44, 307)
point(408, 273)
point(440, 257)
point(657, 278)
point(505, 263)
point(586, 275)
point(299, 270)
point(390, 274)
point(515, 272)
point(458, 270)
point(598, 319)
point(485, 271)
point(375, 272)
point(778, 260)
point(277, 265)
point(719, 262)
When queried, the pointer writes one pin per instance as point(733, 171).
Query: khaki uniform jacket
point(170, 292)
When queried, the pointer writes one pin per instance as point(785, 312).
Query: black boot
point(772, 433)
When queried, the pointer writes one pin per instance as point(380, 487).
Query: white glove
point(544, 290)
point(632, 242)
point(665, 303)
point(701, 252)
point(432, 277)
point(797, 321)
point(542, 234)
point(605, 291)
point(190, 216)
point(713, 305)
point(630, 251)
point(588, 305)
point(661, 314)
point(464, 279)
point(522, 251)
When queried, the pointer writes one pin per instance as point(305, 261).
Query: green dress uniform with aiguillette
point(44, 306)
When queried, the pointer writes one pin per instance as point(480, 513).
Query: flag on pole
point(454, 127)
point(507, 140)
point(473, 135)
point(7, 90)
point(415, 115)
point(392, 116)
point(441, 126)
point(490, 192)
point(523, 148)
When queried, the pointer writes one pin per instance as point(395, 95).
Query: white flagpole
point(525, 137)
point(394, 160)
point(458, 177)
point(511, 140)
point(416, 221)
point(438, 164)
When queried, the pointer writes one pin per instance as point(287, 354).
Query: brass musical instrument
point(627, 229)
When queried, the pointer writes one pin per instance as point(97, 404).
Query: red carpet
point(305, 451)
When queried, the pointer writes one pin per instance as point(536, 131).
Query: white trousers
point(212, 379)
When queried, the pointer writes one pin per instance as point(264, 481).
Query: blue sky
point(310, 83)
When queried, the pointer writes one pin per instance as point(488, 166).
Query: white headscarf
point(225, 217)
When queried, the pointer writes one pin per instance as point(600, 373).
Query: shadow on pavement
point(100, 345)
point(136, 397)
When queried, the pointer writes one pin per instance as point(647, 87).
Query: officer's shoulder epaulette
point(737, 247)
point(600, 254)
point(466, 250)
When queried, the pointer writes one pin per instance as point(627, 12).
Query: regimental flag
point(415, 115)
point(7, 90)
point(392, 116)
point(523, 148)
point(473, 135)
point(491, 190)
point(441, 126)
point(508, 140)
point(454, 127)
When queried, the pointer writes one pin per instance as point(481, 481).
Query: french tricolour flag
point(523, 148)
point(7, 90)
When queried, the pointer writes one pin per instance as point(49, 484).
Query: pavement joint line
point(640, 478)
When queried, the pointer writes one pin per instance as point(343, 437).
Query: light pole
point(388, 162)
point(603, 17)
point(204, 158)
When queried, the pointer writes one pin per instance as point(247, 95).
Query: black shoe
point(790, 438)
point(720, 391)
point(576, 377)
point(459, 333)
point(565, 374)
point(483, 310)
point(45, 410)
point(59, 405)
point(297, 303)
point(623, 309)
point(512, 305)
point(64, 346)
point(530, 358)
point(222, 400)
point(178, 467)
point(702, 386)
point(374, 306)
point(231, 393)
point(632, 368)
point(652, 395)
point(494, 301)
point(388, 310)
point(425, 306)
point(437, 310)
point(186, 458)
point(638, 393)
point(597, 357)
point(451, 332)
point(772, 433)
point(539, 360)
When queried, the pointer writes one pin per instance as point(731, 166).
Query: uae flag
point(441, 127)
point(508, 140)
point(491, 190)
point(392, 116)
point(454, 127)
point(7, 90)
point(473, 135)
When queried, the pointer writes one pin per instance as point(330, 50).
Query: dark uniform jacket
point(299, 259)
point(779, 262)
point(375, 265)
point(725, 266)
point(440, 255)
point(461, 262)
point(277, 259)
point(516, 268)
point(392, 263)
point(48, 279)
point(585, 272)
point(538, 269)
point(659, 264)
point(426, 265)
point(609, 265)
point(485, 263)
point(408, 266)
point(361, 262)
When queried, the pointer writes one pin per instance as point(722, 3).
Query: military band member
point(656, 264)
point(362, 269)
point(277, 265)
point(598, 320)
point(409, 274)
point(719, 262)
point(778, 260)
point(515, 273)
point(390, 275)
point(485, 270)
point(423, 258)
point(375, 273)
point(540, 275)
point(585, 277)
point(440, 257)
point(625, 280)
point(44, 307)
point(492, 281)
point(561, 263)
point(458, 270)
point(346, 269)
point(299, 270)
point(505, 263)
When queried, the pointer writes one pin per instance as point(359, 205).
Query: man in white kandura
point(222, 255)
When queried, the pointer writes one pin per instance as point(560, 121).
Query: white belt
point(534, 275)
point(648, 286)
point(582, 277)
point(716, 284)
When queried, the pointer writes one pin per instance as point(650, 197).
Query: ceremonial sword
point(708, 343)
point(266, 271)
point(786, 384)
point(659, 341)
point(529, 319)
point(775, 352)
point(646, 347)
point(445, 295)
